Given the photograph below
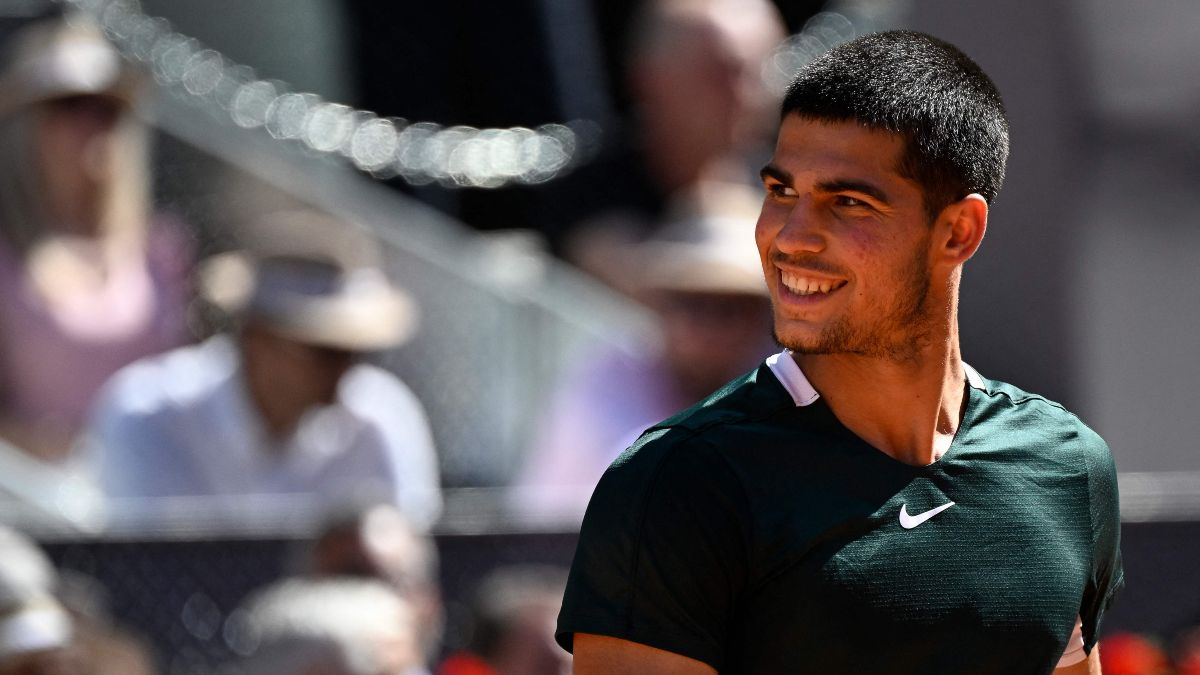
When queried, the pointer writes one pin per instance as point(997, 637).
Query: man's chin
point(802, 344)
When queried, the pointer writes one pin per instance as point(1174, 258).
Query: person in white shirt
point(281, 412)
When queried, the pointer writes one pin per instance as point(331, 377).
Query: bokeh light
point(420, 153)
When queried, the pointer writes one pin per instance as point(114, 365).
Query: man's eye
point(780, 190)
point(844, 200)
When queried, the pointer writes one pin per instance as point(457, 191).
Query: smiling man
point(863, 502)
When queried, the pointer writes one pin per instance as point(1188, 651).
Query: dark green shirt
point(757, 534)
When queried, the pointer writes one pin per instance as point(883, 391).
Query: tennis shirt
point(757, 534)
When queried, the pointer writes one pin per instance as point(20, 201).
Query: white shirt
point(182, 424)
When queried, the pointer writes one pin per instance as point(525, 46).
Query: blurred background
point(512, 166)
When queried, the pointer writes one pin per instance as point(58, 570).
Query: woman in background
point(89, 279)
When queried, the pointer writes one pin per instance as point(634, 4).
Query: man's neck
point(279, 415)
point(278, 419)
point(909, 410)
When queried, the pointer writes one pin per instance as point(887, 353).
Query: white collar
point(788, 372)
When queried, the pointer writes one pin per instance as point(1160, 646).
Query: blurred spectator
point(702, 276)
point(90, 279)
point(284, 405)
point(379, 542)
point(35, 629)
point(1132, 654)
point(40, 635)
point(701, 111)
point(326, 627)
point(512, 625)
point(103, 645)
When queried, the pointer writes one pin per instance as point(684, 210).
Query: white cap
point(60, 57)
point(40, 625)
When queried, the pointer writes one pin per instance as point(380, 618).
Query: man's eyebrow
point(772, 171)
point(849, 185)
point(829, 186)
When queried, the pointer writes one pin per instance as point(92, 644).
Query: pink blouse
point(52, 363)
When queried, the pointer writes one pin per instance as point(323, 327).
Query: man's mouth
point(802, 284)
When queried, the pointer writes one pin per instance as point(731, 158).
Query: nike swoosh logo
point(909, 522)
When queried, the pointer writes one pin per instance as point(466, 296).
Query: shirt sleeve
point(116, 445)
point(663, 550)
point(1107, 574)
point(404, 437)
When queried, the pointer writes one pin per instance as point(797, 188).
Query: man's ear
point(961, 227)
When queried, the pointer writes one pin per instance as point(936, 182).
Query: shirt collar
point(788, 372)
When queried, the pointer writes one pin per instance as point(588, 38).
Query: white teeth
point(802, 285)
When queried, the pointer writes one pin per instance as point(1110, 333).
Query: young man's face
point(845, 242)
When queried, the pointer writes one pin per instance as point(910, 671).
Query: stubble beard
point(898, 335)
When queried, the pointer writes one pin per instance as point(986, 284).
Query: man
point(378, 542)
point(327, 626)
point(864, 502)
point(283, 407)
point(681, 56)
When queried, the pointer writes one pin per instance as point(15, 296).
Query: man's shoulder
point(1011, 395)
point(371, 391)
point(711, 426)
point(158, 412)
point(751, 397)
point(1022, 411)
point(704, 456)
point(176, 379)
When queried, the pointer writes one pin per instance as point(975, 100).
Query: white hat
point(38, 625)
point(312, 278)
point(706, 246)
point(63, 56)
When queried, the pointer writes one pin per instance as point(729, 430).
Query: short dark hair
point(924, 89)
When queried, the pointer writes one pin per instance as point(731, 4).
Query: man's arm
point(1088, 666)
point(603, 655)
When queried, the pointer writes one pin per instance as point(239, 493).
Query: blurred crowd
point(361, 597)
point(111, 387)
point(147, 375)
point(146, 371)
point(143, 381)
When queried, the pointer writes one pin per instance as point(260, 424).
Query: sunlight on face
point(844, 242)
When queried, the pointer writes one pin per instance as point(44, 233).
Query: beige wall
point(1087, 288)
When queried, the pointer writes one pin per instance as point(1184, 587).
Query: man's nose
point(803, 230)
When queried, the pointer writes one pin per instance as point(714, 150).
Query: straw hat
point(706, 245)
point(61, 56)
point(312, 278)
